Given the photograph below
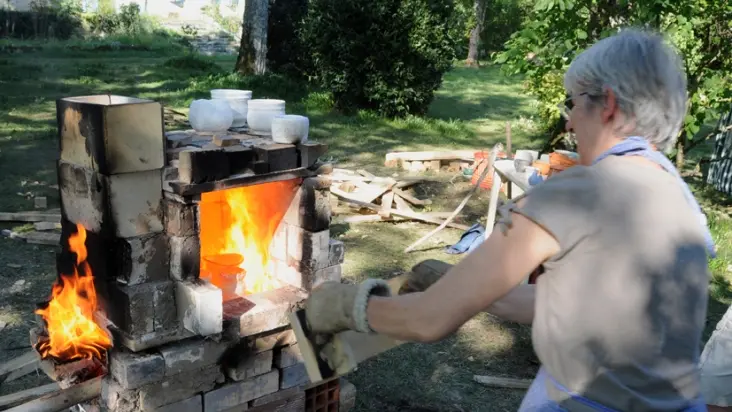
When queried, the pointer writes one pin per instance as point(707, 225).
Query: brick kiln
point(198, 247)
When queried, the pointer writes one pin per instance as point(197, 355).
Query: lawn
point(469, 111)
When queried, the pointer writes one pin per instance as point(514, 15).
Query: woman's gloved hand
point(335, 307)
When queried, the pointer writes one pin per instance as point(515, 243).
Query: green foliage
point(383, 55)
point(47, 19)
point(128, 21)
point(192, 63)
point(557, 30)
point(502, 19)
point(286, 51)
point(229, 23)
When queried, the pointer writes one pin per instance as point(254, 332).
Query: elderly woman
point(618, 313)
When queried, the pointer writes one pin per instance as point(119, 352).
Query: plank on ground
point(63, 399)
point(31, 216)
point(17, 398)
point(19, 366)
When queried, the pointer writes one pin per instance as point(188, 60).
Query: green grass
point(470, 111)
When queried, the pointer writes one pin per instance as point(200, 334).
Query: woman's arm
point(517, 306)
point(471, 286)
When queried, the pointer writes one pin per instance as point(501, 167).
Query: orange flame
point(72, 332)
point(242, 222)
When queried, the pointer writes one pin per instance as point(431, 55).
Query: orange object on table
point(542, 167)
point(481, 161)
point(558, 162)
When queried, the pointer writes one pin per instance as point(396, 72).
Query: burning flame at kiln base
point(237, 227)
point(72, 332)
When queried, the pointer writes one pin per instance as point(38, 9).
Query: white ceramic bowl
point(210, 116)
point(237, 100)
point(261, 112)
point(290, 128)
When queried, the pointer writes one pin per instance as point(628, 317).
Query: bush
point(59, 21)
point(382, 55)
point(286, 52)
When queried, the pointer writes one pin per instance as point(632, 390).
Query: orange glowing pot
point(223, 271)
point(542, 168)
point(481, 163)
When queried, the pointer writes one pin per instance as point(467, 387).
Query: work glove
point(335, 307)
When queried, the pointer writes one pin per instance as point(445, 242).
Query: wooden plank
point(402, 204)
point(42, 238)
point(411, 215)
point(432, 155)
point(19, 366)
point(41, 226)
point(499, 382)
point(344, 351)
point(63, 399)
point(8, 401)
point(411, 199)
point(366, 192)
point(184, 189)
point(32, 216)
point(386, 202)
point(493, 203)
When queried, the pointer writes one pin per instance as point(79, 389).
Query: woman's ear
point(610, 105)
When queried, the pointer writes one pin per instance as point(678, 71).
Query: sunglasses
point(566, 106)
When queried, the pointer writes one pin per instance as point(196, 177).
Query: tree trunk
point(253, 45)
point(474, 46)
point(680, 145)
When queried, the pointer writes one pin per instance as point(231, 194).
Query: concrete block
point(139, 343)
point(291, 400)
point(306, 278)
point(83, 196)
point(181, 219)
point(170, 174)
point(194, 404)
point(202, 165)
point(287, 356)
point(292, 376)
point(144, 308)
point(310, 208)
point(250, 365)
point(240, 393)
point(141, 259)
point(191, 354)
point(135, 202)
point(179, 387)
point(185, 257)
point(263, 311)
point(132, 370)
point(241, 159)
point(118, 399)
point(278, 156)
point(111, 134)
point(201, 308)
point(309, 152)
point(307, 249)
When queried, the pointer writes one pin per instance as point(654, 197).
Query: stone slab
point(292, 376)
point(194, 404)
point(250, 365)
point(141, 259)
point(132, 370)
point(179, 387)
point(263, 311)
point(191, 354)
point(240, 393)
point(292, 403)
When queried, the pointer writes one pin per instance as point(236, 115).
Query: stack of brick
point(178, 346)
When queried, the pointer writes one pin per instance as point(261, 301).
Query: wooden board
point(184, 189)
point(434, 155)
point(42, 238)
point(19, 366)
point(33, 216)
point(63, 399)
point(345, 351)
point(17, 398)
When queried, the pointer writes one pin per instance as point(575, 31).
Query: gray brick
point(292, 403)
point(241, 393)
point(118, 399)
point(179, 387)
point(181, 219)
point(347, 396)
point(250, 365)
point(135, 201)
point(145, 308)
point(307, 250)
point(132, 370)
point(201, 307)
point(277, 396)
point(194, 404)
point(292, 376)
point(191, 354)
point(287, 356)
point(310, 208)
point(141, 259)
point(262, 312)
point(185, 257)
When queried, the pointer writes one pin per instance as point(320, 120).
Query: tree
point(557, 30)
point(479, 7)
point(252, 57)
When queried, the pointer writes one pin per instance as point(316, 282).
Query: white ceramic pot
point(290, 128)
point(210, 116)
point(261, 112)
point(237, 100)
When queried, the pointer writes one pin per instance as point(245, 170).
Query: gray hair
point(646, 75)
